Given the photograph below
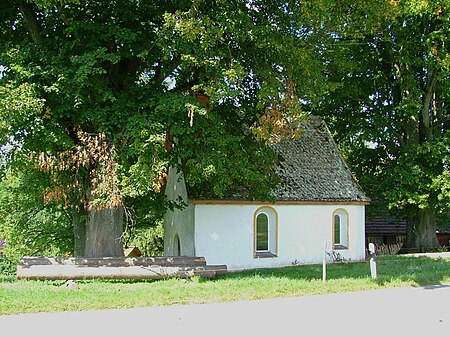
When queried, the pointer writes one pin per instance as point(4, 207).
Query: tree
point(96, 93)
point(391, 112)
point(66, 101)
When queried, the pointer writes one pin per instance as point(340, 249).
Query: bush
point(7, 267)
point(150, 240)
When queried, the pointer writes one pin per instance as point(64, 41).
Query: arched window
point(265, 232)
point(177, 245)
point(340, 229)
point(262, 233)
point(337, 229)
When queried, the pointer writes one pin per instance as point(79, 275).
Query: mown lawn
point(52, 296)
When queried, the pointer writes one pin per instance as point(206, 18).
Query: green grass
point(52, 296)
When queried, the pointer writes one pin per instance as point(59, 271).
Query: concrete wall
point(224, 234)
point(178, 223)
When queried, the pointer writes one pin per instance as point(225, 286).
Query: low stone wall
point(58, 268)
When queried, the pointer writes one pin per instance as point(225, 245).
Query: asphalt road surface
point(420, 311)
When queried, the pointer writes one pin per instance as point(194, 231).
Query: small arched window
point(337, 229)
point(340, 229)
point(262, 233)
point(265, 232)
point(177, 245)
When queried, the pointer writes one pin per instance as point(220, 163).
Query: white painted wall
point(178, 222)
point(224, 234)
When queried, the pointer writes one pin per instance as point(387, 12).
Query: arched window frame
point(340, 229)
point(272, 217)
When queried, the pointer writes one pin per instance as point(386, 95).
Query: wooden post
point(324, 265)
point(373, 261)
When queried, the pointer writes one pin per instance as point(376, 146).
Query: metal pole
point(324, 265)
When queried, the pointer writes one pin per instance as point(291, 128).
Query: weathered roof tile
point(311, 167)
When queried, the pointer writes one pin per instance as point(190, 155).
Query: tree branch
point(426, 120)
point(31, 19)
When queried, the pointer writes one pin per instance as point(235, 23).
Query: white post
point(324, 265)
point(373, 260)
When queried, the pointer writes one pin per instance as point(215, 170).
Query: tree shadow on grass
point(308, 272)
point(422, 271)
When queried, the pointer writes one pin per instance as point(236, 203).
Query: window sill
point(340, 247)
point(264, 255)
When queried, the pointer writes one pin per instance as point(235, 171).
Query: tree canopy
point(390, 110)
point(96, 93)
point(100, 97)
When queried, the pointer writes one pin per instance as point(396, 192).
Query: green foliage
point(136, 74)
point(225, 160)
point(149, 239)
point(119, 79)
point(423, 181)
point(7, 267)
point(28, 224)
point(390, 104)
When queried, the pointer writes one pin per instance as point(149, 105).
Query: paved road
point(422, 311)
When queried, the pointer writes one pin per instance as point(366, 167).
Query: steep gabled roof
point(312, 168)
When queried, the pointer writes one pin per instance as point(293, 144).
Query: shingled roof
point(384, 224)
point(311, 167)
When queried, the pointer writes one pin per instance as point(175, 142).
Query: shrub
point(149, 240)
point(7, 267)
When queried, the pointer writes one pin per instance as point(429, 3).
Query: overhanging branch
point(31, 19)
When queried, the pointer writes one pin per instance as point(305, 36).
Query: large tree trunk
point(421, 232)
point(79, 232)
point(104, 229)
